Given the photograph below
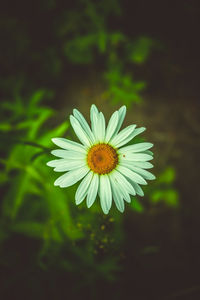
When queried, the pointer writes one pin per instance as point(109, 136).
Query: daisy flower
point(105, 165)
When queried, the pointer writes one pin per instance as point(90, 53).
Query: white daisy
point(106, 167)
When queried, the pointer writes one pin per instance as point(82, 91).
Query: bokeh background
point(58, 55)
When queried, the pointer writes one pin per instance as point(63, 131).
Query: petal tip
point(94, 108)
point(53, 152)
point(71, 118)
point(89, 205)
point(54, 140)
point(77, 202)
point(74, 110)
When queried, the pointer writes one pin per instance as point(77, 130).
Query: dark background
point(156, 244)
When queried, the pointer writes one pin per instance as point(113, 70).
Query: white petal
point(143, 173)
point(53, 163)
point(138, 189)
point(117, 196)
point(126, 195)
point(67, 165)
point(68, 154)
point(101, 127)
point(120, 137)
point(131, 175)
point(94, 109)
point(105, 193)
point(131, 136)
point(127, 156)
point(128, 138)
point(84, 125)
point(71, 177)
point(60, 153)
point(79, 131)
point(148, 152)
point(140, 147)
point(139, 164)
point(92, 191)
point(121, 180)
point(69, 145)
point(138, 131)
point(123, 186)
point(94, 115)
point(83, 188)
point(122, 113)
point(112, 125)
point(118, 199)
point(59, 162)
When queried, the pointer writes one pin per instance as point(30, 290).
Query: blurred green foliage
point(89, 41)
point(33, 206)
point(122, 87)
point(139, 50)
point(73, 238)
point(163, 189)
point(137, 205)
point(80, 35)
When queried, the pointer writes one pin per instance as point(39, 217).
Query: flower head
point(107, 167)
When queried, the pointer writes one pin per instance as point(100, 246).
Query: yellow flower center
point(102, 158)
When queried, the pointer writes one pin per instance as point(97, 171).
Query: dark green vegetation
point(56, 56)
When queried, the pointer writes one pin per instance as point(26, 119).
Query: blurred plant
point(87, 39)
point(163, 191)
point(122, 87)
point(74, 239)
point(32, 206)
point(83, 35)
point(139, 50)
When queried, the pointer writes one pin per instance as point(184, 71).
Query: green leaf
point(168, 175)
point(157, 196)
point(29, 228)
point(102, 41)
point(45, 139)
point(136, 205)
point(37, 123)
point(37, 97)
point(3, 178)
point(170, 197)
point(5, 127)
point(116, 38)
point(15, 196)
point(140, 49)
point(80, 49)
point(58, 205)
